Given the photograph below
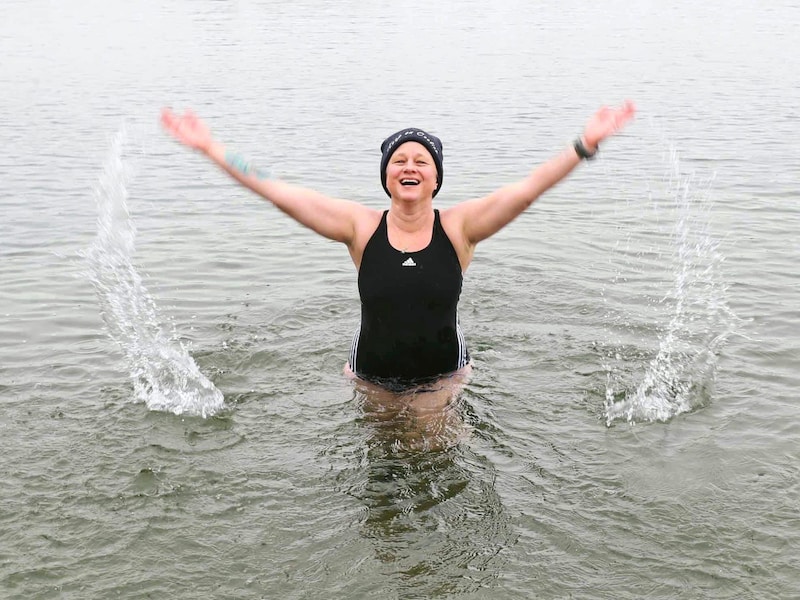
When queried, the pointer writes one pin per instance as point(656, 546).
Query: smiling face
point(411, 172)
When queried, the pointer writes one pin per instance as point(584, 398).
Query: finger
point(166, 116)
point(628, 109)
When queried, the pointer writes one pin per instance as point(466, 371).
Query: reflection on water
point(433, 516)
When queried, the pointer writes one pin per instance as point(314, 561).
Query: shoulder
point(452, 220)
point(366, 222)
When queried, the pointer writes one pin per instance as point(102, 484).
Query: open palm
point(188, 128)
point(607, 121)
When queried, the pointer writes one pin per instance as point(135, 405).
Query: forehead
point(412, 148)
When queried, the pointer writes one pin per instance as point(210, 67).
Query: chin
point(414, 194)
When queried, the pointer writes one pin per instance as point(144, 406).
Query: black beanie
point(431, 142)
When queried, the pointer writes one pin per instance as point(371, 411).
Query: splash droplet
point(165, 376)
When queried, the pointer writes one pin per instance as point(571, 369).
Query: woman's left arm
point(481, 218)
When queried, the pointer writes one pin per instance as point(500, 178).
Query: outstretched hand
point(606, 122)
point(188, 129)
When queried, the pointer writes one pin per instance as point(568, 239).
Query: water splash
point(680, 376)
point(164, 375)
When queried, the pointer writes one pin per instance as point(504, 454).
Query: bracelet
point(582, 151)
point(238, 162)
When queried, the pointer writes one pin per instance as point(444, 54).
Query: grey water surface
point(175, 422)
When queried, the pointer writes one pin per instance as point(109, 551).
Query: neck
point(410, 217)
point(410, 227)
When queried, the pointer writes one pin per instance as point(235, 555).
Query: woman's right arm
point(332, 218)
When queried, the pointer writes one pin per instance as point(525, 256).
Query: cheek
point(393, 171)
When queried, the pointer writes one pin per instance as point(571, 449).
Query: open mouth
point(409, 182)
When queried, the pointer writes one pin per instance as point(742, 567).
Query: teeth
point(409, 181)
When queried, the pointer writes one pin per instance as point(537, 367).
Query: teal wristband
point(236, 161)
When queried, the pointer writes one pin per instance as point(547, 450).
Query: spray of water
point(680, 377)
point(164, 375)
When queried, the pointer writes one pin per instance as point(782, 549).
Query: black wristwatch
point(582, 151)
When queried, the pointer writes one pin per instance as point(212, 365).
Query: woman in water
point(410, 258)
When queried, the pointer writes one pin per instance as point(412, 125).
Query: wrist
point(584, 149)
point(206, 146)
point(590, 144)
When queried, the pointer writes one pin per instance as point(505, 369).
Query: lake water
point(175, 422)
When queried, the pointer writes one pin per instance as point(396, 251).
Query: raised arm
point(332, 218)
point(481, 218)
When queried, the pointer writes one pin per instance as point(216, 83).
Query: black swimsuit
point(409, 311)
